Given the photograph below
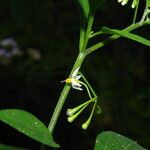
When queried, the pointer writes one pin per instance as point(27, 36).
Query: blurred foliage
point(119, 72)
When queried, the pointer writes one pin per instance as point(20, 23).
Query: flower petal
point(76, 84)
point(77, 88)
point(77, 77)
point(75, 72)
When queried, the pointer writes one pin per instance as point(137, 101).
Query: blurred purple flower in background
point(8, 42)
point(9, 48)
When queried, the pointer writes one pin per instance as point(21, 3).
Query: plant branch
point(96, 33)
point(136, 10)
point(88, 31)
point(78, 62)
point(64, 95)
point(82, 33)
point(86, 89)
point(114, 37)
point(88, 84)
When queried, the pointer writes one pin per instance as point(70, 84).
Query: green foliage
point(27, 124)
point(95, 4)
point(114, 71)
point(85, 7)
point(113, 141)
point(8, 147)
point(89, 7)
point(148, 3)
point(128, 35)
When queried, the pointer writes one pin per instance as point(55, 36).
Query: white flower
point(74, 80)
point(124, 2)
point(75, 84)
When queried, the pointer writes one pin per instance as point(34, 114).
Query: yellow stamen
point(69, 80)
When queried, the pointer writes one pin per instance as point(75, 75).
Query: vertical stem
point(82, 33)
point(135, 13)
point(88, 31)
point(64, 95)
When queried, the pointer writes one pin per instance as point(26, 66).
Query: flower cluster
point(75, 112)
point(9, 49)
point(124, 2)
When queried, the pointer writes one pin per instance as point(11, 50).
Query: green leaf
point(113, 141)
point(89, 7)
point(8, 147)
point(27, 124)
point(85, 7)
point(128, 35)
point(95, 4)
point(147, 3)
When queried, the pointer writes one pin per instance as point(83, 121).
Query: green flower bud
point(86, 124)
point(72, 117)
point(70, 112)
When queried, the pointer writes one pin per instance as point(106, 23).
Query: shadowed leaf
point(8, 147)
point(113, 141)
point(27, 124)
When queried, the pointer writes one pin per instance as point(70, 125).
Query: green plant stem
point(144, 14)
point(64, 95)
point(82, 34)
point(88, 31)
point(86, 88)
point(88, 84)
point(95, 34)
point(114, 37)
point(135, 13)
point(77, 64)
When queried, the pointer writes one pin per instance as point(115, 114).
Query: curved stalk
point(64, 95)
point(86, 89)
point(114, 37)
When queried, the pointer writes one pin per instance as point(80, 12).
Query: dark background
point(119, 72)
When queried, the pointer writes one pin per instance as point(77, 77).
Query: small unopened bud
point(86, 124)
point(70, 119)
point(74, 116)
point(70, 112)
